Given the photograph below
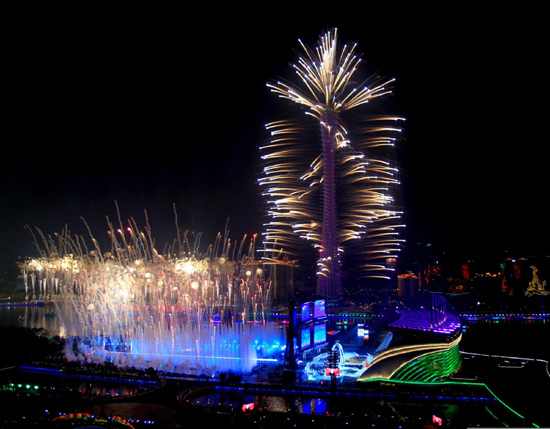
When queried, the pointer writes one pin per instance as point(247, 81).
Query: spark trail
point(335, 191)
point(179, 311)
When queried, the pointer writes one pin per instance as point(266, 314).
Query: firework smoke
point(132, 306)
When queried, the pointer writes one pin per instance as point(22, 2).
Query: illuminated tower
point(329, 282)
point(327, 184)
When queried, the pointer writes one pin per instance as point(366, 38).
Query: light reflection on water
point(269, 403)
point(88, 385)
point(31, 316)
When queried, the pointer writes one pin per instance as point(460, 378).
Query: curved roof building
point(427, 349)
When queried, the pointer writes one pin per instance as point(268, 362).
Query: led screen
point(306, 314)
point(319, 309)
point(305, 338)
point(319, 333)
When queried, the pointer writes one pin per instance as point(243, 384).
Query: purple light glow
point(329, 284)
point(423, 320)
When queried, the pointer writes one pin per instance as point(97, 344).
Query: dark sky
point(155, 108)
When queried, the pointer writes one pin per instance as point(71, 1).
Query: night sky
point(151, 109)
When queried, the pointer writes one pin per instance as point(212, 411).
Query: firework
point(336, 191)
point(179, 311)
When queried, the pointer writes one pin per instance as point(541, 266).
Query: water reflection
point(268, 403)
point(399, 411)
point(32, 316)
point(64, 385)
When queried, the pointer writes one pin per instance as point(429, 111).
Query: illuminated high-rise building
point(327, 179)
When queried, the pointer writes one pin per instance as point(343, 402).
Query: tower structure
point(327, 184)
point(329, 283)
